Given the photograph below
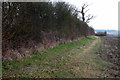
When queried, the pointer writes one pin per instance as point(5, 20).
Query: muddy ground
point(110, 52)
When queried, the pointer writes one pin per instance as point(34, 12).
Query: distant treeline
point(44, 23)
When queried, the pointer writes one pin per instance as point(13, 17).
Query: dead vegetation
point(28, 27)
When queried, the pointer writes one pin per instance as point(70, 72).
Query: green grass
point(62, 47)
point(54, 63)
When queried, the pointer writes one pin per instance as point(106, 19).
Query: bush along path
point(76, 59)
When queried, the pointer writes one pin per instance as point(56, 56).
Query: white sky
point(105, 12)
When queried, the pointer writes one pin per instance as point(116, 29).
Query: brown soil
point(111, 53)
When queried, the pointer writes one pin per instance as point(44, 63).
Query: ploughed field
point(110, 52)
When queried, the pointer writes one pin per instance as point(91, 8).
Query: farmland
point(110, 53)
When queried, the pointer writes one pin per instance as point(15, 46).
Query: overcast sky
point(105, 12)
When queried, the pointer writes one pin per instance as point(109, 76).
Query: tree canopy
point(40, 22)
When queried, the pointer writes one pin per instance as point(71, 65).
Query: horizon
point(106, 29)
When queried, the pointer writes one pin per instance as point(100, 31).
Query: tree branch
point(89, 17)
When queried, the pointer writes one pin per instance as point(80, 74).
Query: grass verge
point(73, 59)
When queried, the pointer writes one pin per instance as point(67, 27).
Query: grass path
point(89, 64)
point(72, 60)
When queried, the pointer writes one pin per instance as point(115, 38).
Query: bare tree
point(83, 12)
